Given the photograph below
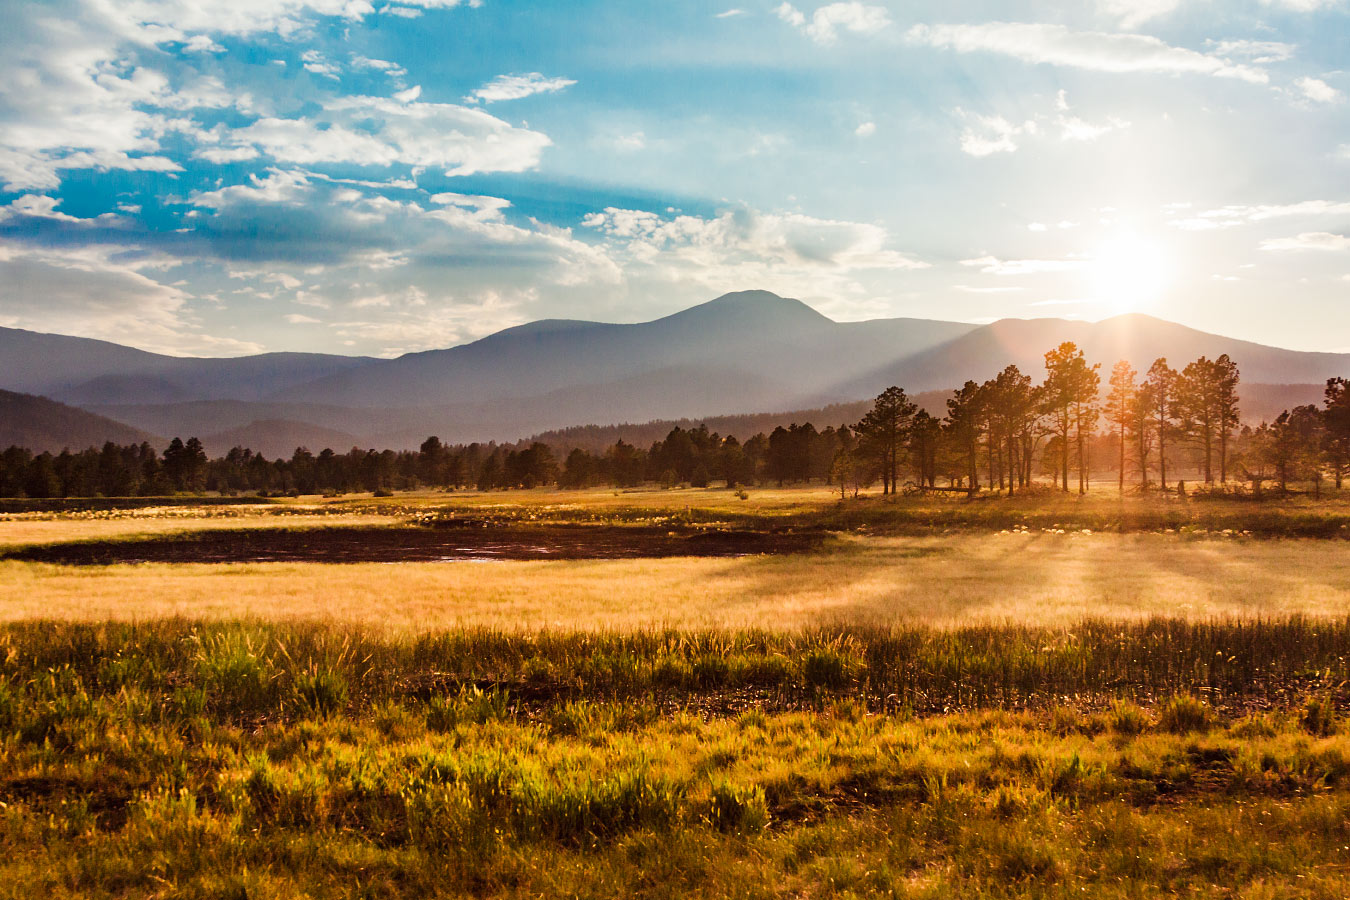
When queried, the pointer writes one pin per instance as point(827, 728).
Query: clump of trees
point(1005, 434)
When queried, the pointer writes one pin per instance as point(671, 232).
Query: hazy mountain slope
point(280, 438)
point(754, 331)
point(39, 424)
point(740, 354)
point(33, 362)
point(982, 353)
point(88, 372)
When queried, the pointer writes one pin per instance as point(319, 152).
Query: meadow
point(1042, 697)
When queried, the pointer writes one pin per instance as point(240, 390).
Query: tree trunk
point(1122, 459)
point(1064, 450)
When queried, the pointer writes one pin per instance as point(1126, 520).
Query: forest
point(1148, 431)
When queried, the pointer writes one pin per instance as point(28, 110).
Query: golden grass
point(944, 580)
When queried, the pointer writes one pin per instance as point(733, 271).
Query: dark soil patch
point(353, 545)
point(108, 801)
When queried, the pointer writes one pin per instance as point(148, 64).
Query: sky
point(375, 177)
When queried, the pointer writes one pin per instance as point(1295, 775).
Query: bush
point(471, 706)
point(827, 668)
point(1127, 718)
point(235, 676)
point(321, 690)
point(1319, 717)
point(1183, 714)
point(737, 810)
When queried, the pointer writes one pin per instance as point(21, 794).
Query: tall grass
point(181, 760)
point(247, 671)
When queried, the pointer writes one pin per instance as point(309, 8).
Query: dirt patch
point(442, 544)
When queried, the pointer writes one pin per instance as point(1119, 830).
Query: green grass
point(178, 760)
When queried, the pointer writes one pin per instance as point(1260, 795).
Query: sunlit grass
point(943, 580)
point(172, 760)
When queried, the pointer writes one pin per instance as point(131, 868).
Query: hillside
point(88, 372)
point(40, 424)
point(730, 358)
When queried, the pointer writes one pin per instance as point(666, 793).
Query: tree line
point(1005, 434)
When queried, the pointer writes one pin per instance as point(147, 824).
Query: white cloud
point(40, 207)
point(315, 62)
point(458, 139)
point(409, 95)
point(392, 69)
point(515, 87)
point(411, 320)
point(791, 15)
point(987, 135)
point(1315, 240)
point(82, 86)
point(1317, 90)
point(298, 319)
point(827, 21)
point(1257, 52)
point(104, 293)
point(992, 265)
point(1133, 13)
point(730, 13)
point(791, 253)
point(223, 155)
point(1234, 216)
point(200, 43)
point(866, 129)
point(1303, 5)
point(277, 187)
point(629, 143)
point(1057, 45)
point(968, 289)
point(1073, 128)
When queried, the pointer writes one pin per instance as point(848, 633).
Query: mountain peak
point(757, 308)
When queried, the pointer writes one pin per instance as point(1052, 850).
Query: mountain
point(39, 424)
point(755, 332)
point(88, 372)
point(279, 438)
point(741, 354)
point(982, 353)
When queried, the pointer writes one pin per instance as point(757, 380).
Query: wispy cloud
point(1050, 44)
point(992, 265)
point(1315, 240)
point(516, 87)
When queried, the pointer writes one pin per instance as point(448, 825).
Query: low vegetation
point(177, 760)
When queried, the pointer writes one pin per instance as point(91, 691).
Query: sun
point(1130, 274)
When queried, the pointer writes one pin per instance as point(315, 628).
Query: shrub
point(1127, 718)
point(235, 676)
point(471, 706)
point(1183, 714)
point(827, 668)
point(1319, 717)
point(321, 690)
point(733, 809)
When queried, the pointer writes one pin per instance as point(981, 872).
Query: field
point(925, 697)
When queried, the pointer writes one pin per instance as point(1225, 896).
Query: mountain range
point(744, 353)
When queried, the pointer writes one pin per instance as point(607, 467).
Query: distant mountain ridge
point(40, 424)
point(735, 356)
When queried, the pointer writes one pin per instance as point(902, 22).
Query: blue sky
point(221, 177)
